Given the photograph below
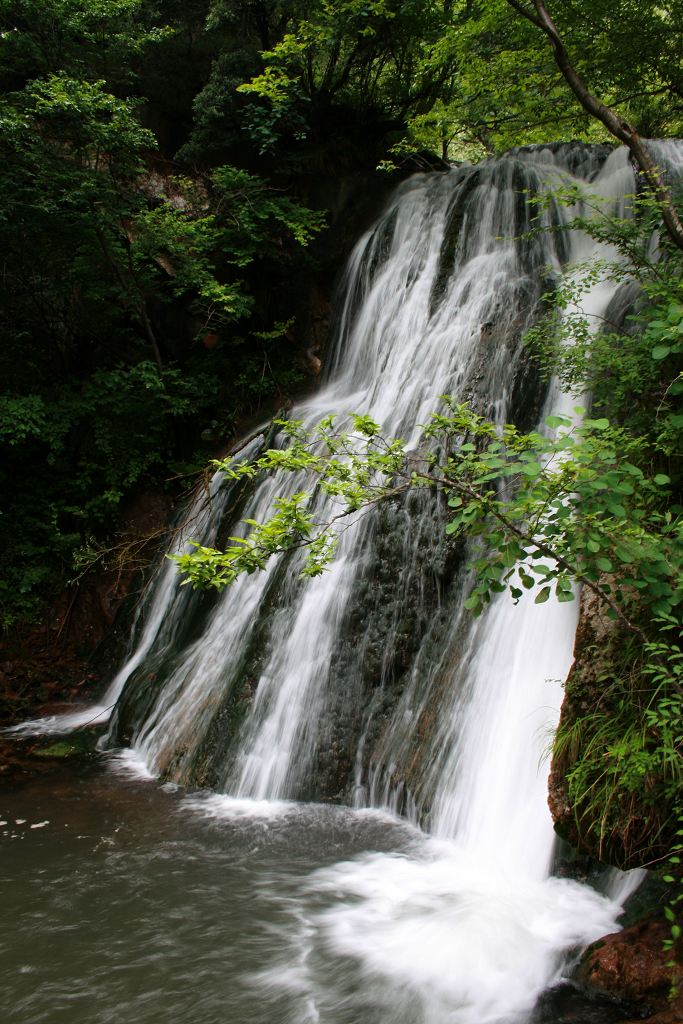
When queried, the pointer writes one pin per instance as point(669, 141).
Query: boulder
point(632, 965)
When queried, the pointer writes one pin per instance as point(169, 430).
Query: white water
point(469, 927)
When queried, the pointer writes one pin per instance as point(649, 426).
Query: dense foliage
point(127, 298)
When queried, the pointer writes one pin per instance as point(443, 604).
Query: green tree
point(615, 124)
point(500, 84)
point(102, 255)
point(355, 61)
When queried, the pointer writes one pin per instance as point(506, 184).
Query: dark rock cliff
point(625, 827)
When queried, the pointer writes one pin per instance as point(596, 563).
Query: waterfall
point(371, 685)
point(288, 682)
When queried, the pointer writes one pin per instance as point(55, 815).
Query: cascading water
point(370, 684)
point(437, 297)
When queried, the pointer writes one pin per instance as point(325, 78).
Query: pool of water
point(127, 900)
point(124, 900)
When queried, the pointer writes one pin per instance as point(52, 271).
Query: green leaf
point(662, 479)
point(557, 421)
point(661, 351)
point(542, 596)
point(601, 424)
point(615, 508)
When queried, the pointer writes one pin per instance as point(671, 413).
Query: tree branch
point(615, 125)
point(471, 492)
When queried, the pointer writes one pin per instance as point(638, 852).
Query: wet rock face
point(569, 1004)
point(593, 632)
point(673, 1014)
point(632, 965)
point(395, 604)
point(594, 808)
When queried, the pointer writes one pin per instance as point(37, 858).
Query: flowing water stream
point(432, 901)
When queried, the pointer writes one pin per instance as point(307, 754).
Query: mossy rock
point(80, 744)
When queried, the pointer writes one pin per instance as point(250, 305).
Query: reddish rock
point(313, 362)
point(632, 965)
point(321, 313)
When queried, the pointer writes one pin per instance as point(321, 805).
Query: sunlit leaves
point(576, 507)
point(354, 468)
